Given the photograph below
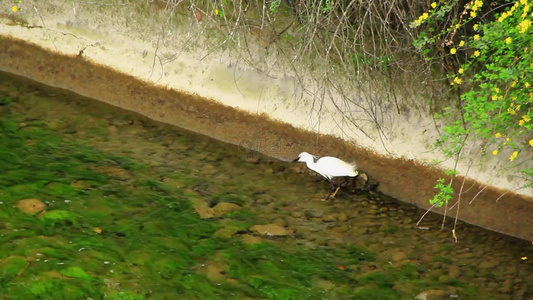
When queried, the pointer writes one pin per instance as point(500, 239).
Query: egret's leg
point(335, 193)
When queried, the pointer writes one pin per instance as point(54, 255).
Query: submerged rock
point(31, 206)
point(57, 125)
point(203, 210)
point(435, 295)
point(326, 285)
point(398, 256)
point(227, 232)
point(362, 182)
point(224, 208)
point(112, 130)
point(329, 218)
point(116, 172)
point(271, 230)
point(250, 239)
point(342, 217)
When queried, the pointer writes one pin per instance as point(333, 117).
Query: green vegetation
point(489, 49)
point(112, 230)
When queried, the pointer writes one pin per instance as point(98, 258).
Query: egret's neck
point(310, 164)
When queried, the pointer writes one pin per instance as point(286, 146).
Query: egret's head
point(304, 157)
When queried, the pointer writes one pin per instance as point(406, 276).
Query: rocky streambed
point(101, 203)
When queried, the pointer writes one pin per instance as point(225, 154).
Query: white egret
point(328, 167)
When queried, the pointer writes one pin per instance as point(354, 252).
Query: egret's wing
point(336, 167)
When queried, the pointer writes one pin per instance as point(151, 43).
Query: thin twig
point(44, 25)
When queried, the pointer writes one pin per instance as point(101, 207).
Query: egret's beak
point(296, 159)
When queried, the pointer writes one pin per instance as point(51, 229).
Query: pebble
point(432, 295)
point(31, 206)
point(225, 207)
point(324, 284)
point(453, 271)
point(487, 265)
point(271, 230)
point(329, 218)
point(297, 214)
point(112, 130)
point(313, 214)
point(342, 217)
point(398, 256)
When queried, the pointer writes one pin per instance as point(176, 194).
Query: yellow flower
point(513, 156)
point(524, 25)
point(473, 14)
point(523, 2)
point(216, 12)
point(497, 90)
point(474, 8)
point(507, 139)
point(527, 84)
point(508, 40)
point(531, 142)
point(434, 4)
point(424, 16)
point(523, 258)
point(453, 51)
point(526, 118)
point(476, 26)
point(495, 152)
point(494, 97)
point(15, 8)
point(521, 122)
point(461, 43)
point(476, 53)
point(478, 3)
point(497, 135)
point(457, 80)
point(476, 37)
point(513, 83)
point(460, 71)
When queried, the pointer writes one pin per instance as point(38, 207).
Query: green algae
point(58, 217)
point(122, 225)
point(135, 241)
point(76, 272)
point(48, 169)
point(13, 266)
point(5, 100)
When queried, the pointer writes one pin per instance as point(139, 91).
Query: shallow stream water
point(140, 210)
